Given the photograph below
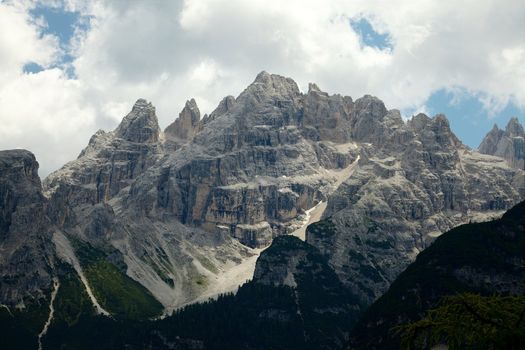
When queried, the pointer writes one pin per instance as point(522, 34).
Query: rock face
point(26, 251)
point(176, 207)
point(174, 210)
point(508, 144)
point(91, 199)
point(110, 163)
point(485, 258)
point(257, 163)
point(188, 123)
point(414, 182)
point(140, 125)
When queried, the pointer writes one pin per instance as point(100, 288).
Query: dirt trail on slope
point(56, 285)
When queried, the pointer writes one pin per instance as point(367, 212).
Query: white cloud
point(21, 43)
point(170, 51)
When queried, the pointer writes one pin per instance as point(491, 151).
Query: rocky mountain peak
point(442, 121)
point(226, 105)
point(140, 125)
point(191, 105)
point(25, 231)
point(20, 165)
point(367, 118)
point(142, 104)
point(434, 131)
point(508, 144)
point(514, 128)
point(419, 121)
point(271, 86)
point(371, 105)
point(489, 143)
point(188, 123)
point(441, 124)
point(312, 87)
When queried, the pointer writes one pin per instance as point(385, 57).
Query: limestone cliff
point(508, 144)
point(26, 249)
point(176, 210)
point(415, 181)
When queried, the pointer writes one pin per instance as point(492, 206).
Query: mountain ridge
point(508, 144)
point(174, 213)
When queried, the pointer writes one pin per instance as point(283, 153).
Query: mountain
point(414, 181)
point(485, 258)
point(508, 144)
point(295, 301)
point(248, 171)
point(147, 221)
point(27, 258)
point(246, 174)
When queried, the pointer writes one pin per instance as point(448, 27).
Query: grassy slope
point(122, 296)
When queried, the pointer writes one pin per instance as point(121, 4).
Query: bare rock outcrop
point(26, 251)
point(405, 194)
point(174, 209)
point(187, 125)
point(508, 144)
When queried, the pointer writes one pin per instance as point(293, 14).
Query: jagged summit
point(508, 144)
point(225, 106)
point(514, 128)
point(371, 105)
point(419, 121)
point(187, 125)
point(274, 86)
point(140, 125)
point(20, 162)
point(312, 87)
point(441, 126)
point(142, 103)
point(189, 206)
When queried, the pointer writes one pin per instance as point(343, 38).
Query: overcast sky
point(69, 68)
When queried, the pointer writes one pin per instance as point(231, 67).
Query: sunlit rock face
point(508, 144)
point(176, 209)
point(414, 181)
point(177, 206)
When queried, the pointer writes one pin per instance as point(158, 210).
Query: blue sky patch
point(469, 119)
point(369, 36)
point(62, 24)
point(32, 67)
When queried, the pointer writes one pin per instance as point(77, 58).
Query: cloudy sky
point(71, 67)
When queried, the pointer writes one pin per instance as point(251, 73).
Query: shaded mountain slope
point(485, 258)
point(508, 144)
point(295, 301)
